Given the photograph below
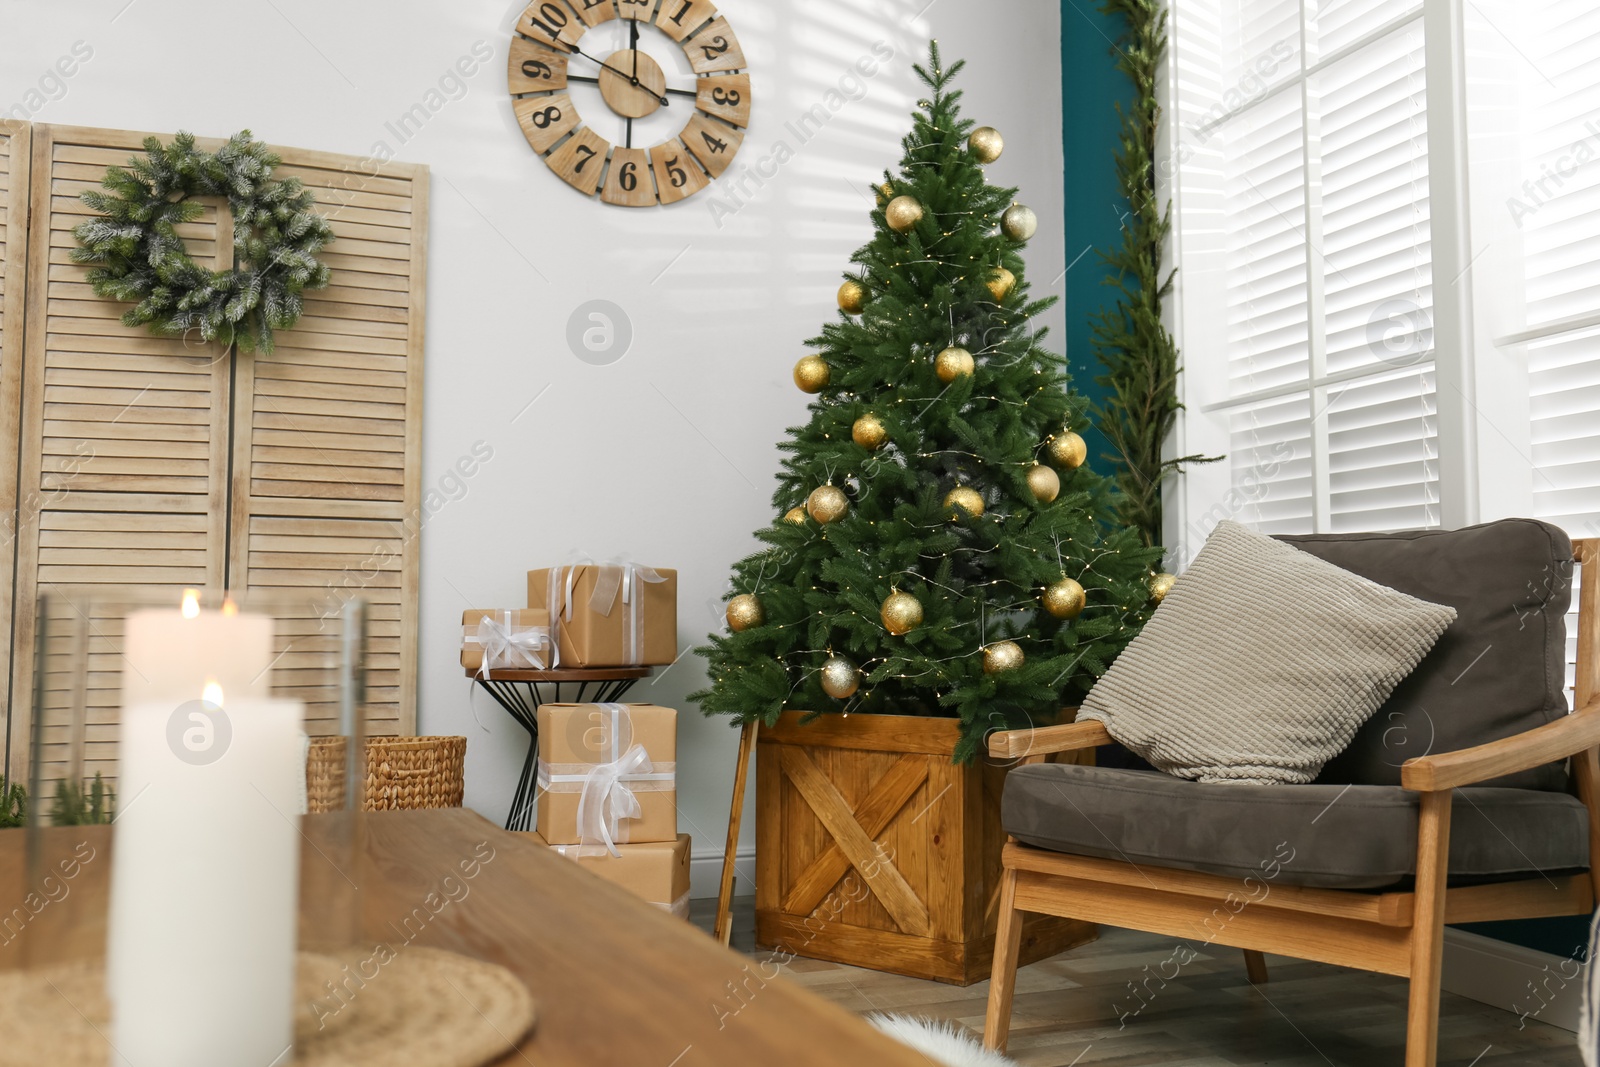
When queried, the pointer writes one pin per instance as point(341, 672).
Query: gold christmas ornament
point(1160, 585)
point(901, 613)
point(852, 297)
point(1067, 450)
point(796, 516)
point(1064, 599)
point(886, 192)
point(745, 611)
point(1000, 283)
point(1002, 656)
point(1019, 223)
point(986, 143)
point(840, 678)
point(954, 362)
point(902, 213)
point(1043, 482)
point(811, 374)
point(827, 504)
point(964, 498)
point(869, 432)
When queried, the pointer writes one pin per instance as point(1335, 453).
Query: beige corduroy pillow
point(1261, 663)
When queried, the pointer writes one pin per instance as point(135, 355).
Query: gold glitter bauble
point(852, 297)
point(1000, 283)
point(902, 213)
point(1044, 482)
point(811, 374)
point(986, 143)
point(1064, 599)
point(827, 504)
point(953, 363)
point(1019, 223)
point(869, 432)
point(840, 678)
point(964, 498)
point(1160, 585)
point(745, 611)
point(796, 516)
point(901, 613)
point(1002, 656)
point(1068, 450)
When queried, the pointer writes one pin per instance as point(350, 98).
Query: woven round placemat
point(420, 1006)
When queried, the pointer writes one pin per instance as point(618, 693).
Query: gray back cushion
point(1499, 670)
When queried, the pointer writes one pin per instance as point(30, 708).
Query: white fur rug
point(944, 1043)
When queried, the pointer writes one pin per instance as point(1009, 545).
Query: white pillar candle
point(205, 872)
point(171, 653)
point(205, 863)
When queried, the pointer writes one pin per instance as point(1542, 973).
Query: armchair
point(1360, 868)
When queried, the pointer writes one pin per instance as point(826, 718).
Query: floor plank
point(1105, 1005)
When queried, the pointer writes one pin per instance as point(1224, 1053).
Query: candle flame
point(191, 603)
point(229, 607)
point(212, 693)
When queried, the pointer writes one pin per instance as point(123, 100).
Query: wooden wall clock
point(549, 58)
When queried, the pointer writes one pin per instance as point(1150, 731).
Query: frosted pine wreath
point(138, 256)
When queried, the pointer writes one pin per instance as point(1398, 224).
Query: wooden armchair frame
point(1398, 933)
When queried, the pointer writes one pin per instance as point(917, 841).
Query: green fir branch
point(1131, 341)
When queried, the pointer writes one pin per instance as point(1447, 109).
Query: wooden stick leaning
point(723, 931)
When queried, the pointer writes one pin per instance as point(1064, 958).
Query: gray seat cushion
point(1500, 667)
point(1333, 836)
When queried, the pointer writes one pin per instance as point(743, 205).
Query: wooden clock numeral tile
point(630, 179)
point(714, 48)
point(677, 174)
point(727, 97)
point(545, 119)
point(712, 143)
point(582, 160)
point(533, 68)
point(679, 18)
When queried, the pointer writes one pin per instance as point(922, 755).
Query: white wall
point(668, 454)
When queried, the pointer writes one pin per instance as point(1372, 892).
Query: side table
point(521, 692)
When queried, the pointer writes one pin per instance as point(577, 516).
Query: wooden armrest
point(1565, 737)
point(1042, 740)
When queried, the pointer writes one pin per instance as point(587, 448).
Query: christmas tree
point(941, 548)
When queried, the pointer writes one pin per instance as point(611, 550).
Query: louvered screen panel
point(1270, 452)
point(123, 454)
point(326, 486)
point(1383, 453)
point(14, 168)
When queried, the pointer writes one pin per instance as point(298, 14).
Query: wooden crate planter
point(873, 849)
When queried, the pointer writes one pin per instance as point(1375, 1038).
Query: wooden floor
point(1068, 1009)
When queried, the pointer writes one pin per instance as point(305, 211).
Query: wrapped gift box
point(609, 614)
point(603, 759)
point(657, 871)
point(516, 639)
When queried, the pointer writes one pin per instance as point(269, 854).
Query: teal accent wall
point(1091, 87)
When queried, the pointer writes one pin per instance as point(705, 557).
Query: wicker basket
point(401, 773)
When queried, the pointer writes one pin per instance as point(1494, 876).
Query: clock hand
point(615, 70)
point(633, 46)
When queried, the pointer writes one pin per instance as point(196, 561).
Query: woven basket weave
point(401, 773)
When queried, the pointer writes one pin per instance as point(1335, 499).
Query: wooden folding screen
point(167, 463)
point(14, 157)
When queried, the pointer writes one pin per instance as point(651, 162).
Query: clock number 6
point(543, 119)
point(554, 16)
point(629, 180)
point(717, 46)
point(728, 97)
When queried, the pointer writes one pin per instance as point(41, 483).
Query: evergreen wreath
point(1139, 356)
point(139, 257)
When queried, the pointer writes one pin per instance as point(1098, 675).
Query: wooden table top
point(616, 980)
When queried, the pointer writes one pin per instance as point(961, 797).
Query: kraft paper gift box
point(657, 871)
point(607, 774)
point(515, 639)
point(609, 614)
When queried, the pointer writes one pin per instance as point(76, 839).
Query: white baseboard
point(705, 872)
point(1505, 976)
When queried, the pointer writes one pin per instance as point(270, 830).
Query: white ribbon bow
point(504, 646)
point(607, 799)
point(613, 577)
